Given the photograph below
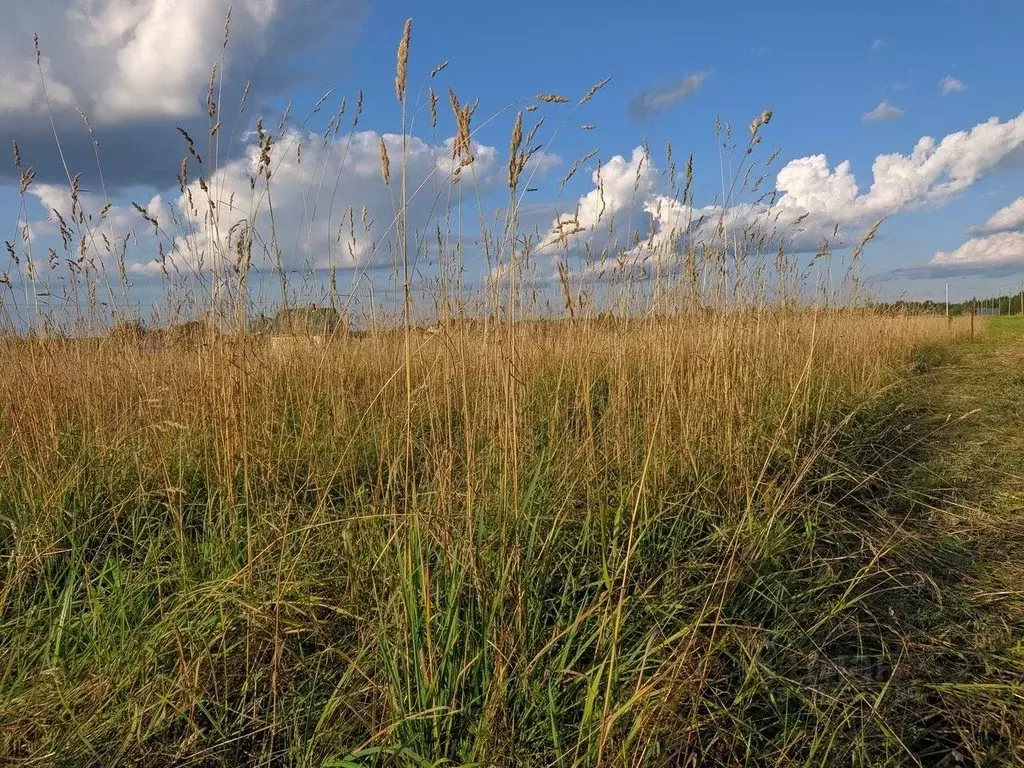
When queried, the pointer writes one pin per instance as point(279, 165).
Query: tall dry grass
point(623, 533)
point(229, 555)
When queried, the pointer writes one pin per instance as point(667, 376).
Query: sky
point(911, 112)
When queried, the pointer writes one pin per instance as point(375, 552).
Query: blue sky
point(822, 68)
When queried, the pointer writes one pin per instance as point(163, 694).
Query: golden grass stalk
point(401, 71)
point(385, 162)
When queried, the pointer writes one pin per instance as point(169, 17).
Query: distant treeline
point(1002, 305)
point(307, 320)
point(325, 321)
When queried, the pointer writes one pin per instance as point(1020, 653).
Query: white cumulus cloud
point(950, 84)
point(138, 68)
point(126, 59)
point(992, 250)
point(621, 188)
point(1005, 219)
point(327, 206)
point(813, 198)
point(884, 111)
point(318, 197)
point(933, 172)
point(999, 241)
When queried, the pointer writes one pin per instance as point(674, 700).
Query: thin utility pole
point(947, 301)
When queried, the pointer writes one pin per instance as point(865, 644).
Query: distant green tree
point(309, 319)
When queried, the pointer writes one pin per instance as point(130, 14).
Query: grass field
point(752, 539)
point(713, 511)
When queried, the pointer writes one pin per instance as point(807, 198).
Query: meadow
point(732, 524)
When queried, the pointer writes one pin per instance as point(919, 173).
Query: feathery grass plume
point(594, 89)
point(211, 104)
point(438, 69)
point(688, 179)
point(462, 148)
point(401, 70)
point(227, 29)
point(432, 100)
point(352, 241)
point(145, 215)
point(284, 117)
point(77, 214)
point(190, 143)
point(17, 155)
point(359, 108)
point(318, 105)
point(63, 229)
point(264, 143)
point(858, 250)
point(566, 227)
point(579, 161)
point(516, 159)
point(763, 119)
point(645, 159)
point(532, 135)
point(551, 98)
point(26, 179)
point(563, 282)
point(385, 162)
point(334, 124)
point(183, 174)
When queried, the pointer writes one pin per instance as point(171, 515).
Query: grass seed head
point(402, 68)
point(385, 162)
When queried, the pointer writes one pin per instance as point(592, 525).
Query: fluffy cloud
point(1005, 219)
point(138, 68)
point(615, 205)
point(808, 185)
point(996, 243)
point(931, 174)
point(883, 112)
point(950, 84)
point(814, 201)
point(999, 249)
point(656, 100)
point(327, 205)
